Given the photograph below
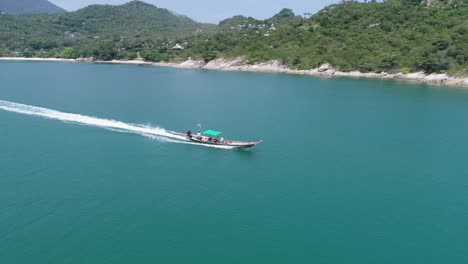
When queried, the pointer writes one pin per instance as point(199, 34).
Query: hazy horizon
point(210, 11)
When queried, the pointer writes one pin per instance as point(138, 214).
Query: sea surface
point(349, 171)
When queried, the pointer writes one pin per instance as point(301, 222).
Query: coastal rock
point(276, 67)
point(414, 76)
point(457, 81)
point(192, 64)
point(240, 65)
point(436, 77)
point(90, 59)
point(272, 66)
point(324, 70)
point(325, 67)
point(352, 74)
point(222, 64)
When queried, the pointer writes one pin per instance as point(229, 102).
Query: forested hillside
point(391, 36)
point(17, 7)
point(101, 31)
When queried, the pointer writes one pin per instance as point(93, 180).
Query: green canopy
point(212, 133)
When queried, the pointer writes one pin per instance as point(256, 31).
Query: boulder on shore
point(325, 67)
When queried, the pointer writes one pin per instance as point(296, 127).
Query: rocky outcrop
point(326, 70)
point(238, 64)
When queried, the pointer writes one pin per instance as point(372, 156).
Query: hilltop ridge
point(19, 7)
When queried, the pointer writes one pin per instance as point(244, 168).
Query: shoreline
point(273, 67)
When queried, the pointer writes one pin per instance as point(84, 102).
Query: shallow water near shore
point(350, 171)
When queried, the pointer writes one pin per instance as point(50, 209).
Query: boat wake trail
point(144, 130)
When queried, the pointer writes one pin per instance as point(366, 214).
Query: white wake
point(144, 130)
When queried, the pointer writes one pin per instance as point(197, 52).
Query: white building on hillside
point(177, 47)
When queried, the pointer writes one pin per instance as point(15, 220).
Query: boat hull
point(235, 144)
point(229, 143)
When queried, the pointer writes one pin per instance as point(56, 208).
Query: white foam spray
point(144, 130)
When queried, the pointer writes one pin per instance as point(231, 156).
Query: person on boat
point(221, 140)
point(210, 139)
point(189, 133)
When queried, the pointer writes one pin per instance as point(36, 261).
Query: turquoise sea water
point(350, 171)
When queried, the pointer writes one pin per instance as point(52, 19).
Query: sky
point(213, 11)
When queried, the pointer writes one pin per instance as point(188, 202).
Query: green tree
point(69, 53)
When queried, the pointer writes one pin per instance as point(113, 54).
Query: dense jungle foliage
point(391, 36)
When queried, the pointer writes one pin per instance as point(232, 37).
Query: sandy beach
point(273, 67)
